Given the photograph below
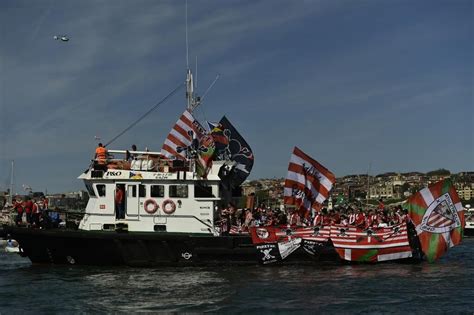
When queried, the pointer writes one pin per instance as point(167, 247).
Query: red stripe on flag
point(182, 132)
point(312, 179)
point(177, 141)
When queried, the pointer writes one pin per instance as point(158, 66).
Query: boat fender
point(168, 206)
point(150, 206)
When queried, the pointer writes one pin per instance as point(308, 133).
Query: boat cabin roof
point(145, 165)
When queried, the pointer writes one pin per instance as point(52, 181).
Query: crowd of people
point(232, 220)
point(34, 212)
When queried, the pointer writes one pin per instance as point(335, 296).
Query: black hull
point(469, 232)
point(143, 249)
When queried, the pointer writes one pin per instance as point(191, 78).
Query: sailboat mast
point(11, 183)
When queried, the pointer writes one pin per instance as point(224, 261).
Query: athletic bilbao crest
point(441, 216)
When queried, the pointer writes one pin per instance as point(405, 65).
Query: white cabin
point(160, 195)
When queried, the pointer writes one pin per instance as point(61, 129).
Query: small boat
point(469, 229)
point(11, 246)
point(9, 249)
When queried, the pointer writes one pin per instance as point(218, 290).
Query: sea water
point(441, 287)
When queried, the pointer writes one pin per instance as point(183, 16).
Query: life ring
point(168, 206)
point(153, 208)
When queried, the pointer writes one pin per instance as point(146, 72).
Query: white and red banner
point(307, 182)
point(371, 245)
point(351, 243)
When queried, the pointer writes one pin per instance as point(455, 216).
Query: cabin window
point(90, 190)
point(178, 191)
point(203, 191)
point(100, 190)
point(157, 191)
point(132, 191)
point(142, 191)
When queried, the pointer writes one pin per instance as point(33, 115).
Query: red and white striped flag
point(181, 136)
point(307, 182)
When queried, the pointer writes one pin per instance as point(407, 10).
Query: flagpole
point(368, 184)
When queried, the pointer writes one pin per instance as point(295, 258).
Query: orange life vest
point(101, 154)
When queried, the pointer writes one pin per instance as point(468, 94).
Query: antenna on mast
point(189, 76)
point(187, 50)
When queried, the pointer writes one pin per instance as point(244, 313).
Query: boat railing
point(141, 161)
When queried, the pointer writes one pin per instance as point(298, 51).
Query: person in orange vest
point(101, 154)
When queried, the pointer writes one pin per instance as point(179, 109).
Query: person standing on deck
point(18, 205)
point(35, 211)
point(119, 204)
point(101, 154)
point(29, 211)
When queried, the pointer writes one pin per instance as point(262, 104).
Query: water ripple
point(445, 286)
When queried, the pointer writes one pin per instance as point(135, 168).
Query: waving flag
point(307, 182)
point(179, 143)
point(188, 139)
point(230, 145)
point(205, 155)
point(217, 133)
point(438, 216)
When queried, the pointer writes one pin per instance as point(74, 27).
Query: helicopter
point(63, 38)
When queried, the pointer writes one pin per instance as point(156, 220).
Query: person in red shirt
point(371, 220)
point(381, 205)
point(335, 217)
point(360, 219)
point(45, 203)
point(29, 211)
point(119, 203)
point(318, 219)
point(18, 205)
point(326, 217)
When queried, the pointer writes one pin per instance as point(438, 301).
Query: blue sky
point(352, 83)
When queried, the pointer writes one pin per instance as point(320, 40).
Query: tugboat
point(169, 206)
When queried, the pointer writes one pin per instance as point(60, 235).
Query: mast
point(191, 99)
point(368, 183)
point(11, 182)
